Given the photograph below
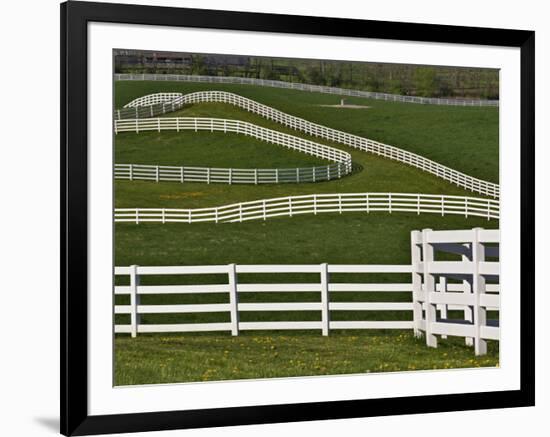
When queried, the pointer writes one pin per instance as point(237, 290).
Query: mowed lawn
point(208, 357)
point(466, 139)
point(463, 138)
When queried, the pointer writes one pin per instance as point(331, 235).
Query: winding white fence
point(209, 175)
point(160, 103)
point(308, 87)
point(317, 204)
point(240, 127)
point(473, 296)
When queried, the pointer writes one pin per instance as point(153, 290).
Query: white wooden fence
point(431, 287)
point(310, 88)
point(240, 127)
point(234, 288)
point(473, 295)
point(229, 175)
point(160, 103)
point(317, 204)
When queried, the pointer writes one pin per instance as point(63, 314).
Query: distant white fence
point(209, 175)
point(317, 204)
point(160, 103)
point(240, 127)
point(478, 273)
point(310, 88)
point(431, 287)
point(234, 289)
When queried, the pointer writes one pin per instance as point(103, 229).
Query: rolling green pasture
point(463, 138)
point(371, 173)
point(207, 149)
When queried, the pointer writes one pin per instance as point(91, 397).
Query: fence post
point(233, 299)
point(134, 301)
point(478, 287)
point(131, 172)
point(328, 172)
point(230, 175)
point(325, 310)
point(442, 206)
point(297, 175)
point(429, 287)
point(416, 283)
point(157, 173)
point(181, 174)
point(256, 176)
point(314, 169)
point(315, 204)
point(443, 307)
point(277, 175)
point(208, 175)
point(468, 310)
point(137, 216)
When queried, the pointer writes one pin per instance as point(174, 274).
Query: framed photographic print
point(271, 218)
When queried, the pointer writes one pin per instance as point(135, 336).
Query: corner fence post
point(325, 310)
point(233, 299)
point(416, 283)
point(134, 301)
point(443, 307)
point(429, 287)
point(478, 287)
point(468, 311)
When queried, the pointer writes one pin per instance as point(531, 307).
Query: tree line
point(404, 79)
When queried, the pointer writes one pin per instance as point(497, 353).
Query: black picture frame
point(75, 16)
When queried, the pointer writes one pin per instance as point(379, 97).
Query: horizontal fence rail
point(240, 127)
point(310, 88)
point(317, 204)
point(478, 270)
point(209, 175)
point(161, 103)
point(234, 288)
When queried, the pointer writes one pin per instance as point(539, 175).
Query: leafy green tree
point(198, 65)
point(426, 82)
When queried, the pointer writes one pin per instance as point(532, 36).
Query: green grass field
point(466, 139)
point(205, 357)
